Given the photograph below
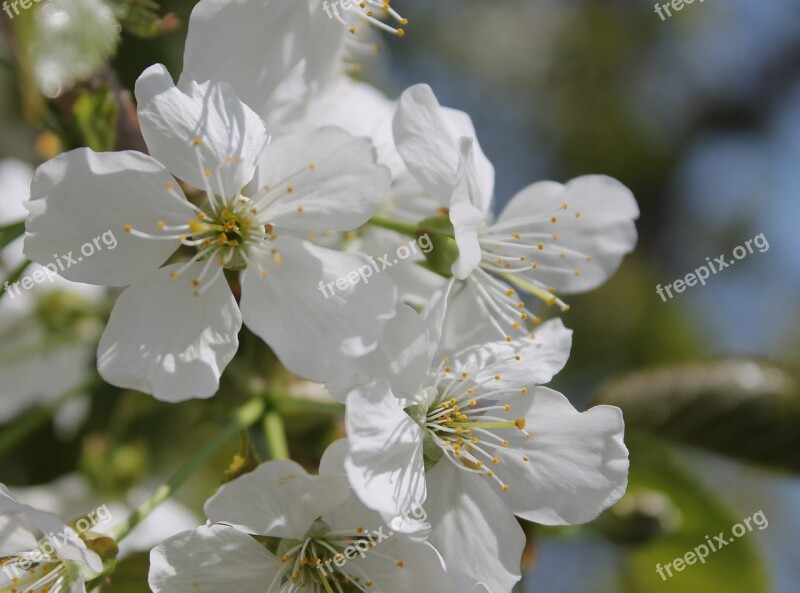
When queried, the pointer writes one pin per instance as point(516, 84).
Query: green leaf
point(11, 232)
point(96, 115)
point(743, 409)
point(690, 513)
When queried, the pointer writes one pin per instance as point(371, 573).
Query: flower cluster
point(271, 173)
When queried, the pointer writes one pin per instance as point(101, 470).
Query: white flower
point(477, 440)
point(279, 529)
point(72, 496)
point(173, 331)
point(25, 348)
point(550, 238)
point(38, 552)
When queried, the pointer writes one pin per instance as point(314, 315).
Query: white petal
point(578, 462)
point(82, 200)
point(427, 136)
point(312, 334)
point(594, 233)
point(466, 218)
point(161, 339)
point(277, 499)
point(520, 363)
point(402, 358)
point(335, 181)
point(421, 570)
point(454, 312)
point(231, 135)
point(384, 463)
point(211, 559)
point(251, 45)
point(473, 529)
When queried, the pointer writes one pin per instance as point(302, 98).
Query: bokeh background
point(700, 116)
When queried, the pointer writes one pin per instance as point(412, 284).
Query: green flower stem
point(18, 431)
point(275, 435)
point(244, 417)
point(404, 228)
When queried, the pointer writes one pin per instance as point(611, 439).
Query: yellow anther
point(516, 235)
point(534, 265)
point(497, 377)
point(525, 458)
point(519, 423)
point(352, 30)
point(127, 228)
point(523, 390)
point(169, 186)
point(577, 272)
point(173, 275)
point(400, 564)
point(507, 407)
point(505, 487)
point(554, 219)
point(401, 33)
point(564, 205)
point(540, 246)
point(207, 173)
point(578, 214)
point(197, 142)
point(312, 166)
point(495, 460)
point(510, 292)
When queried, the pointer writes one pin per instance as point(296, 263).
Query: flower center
point(465, 426)
point(20, 574)
point(322, 561)
point(222, 232)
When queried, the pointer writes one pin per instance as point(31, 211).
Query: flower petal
point(161, 339)
point(403, 565)
point(426, 136)
point(211, 558)
point(82, 198)
point(402, 358)
point(251, 45)
point(384, 463)
point(277, 499)
point(593, 233)
point(466, 218)
point(473, 529)
point(578, 462)
point(327, 179)
point(284, 303)
point(517, 364)
point(209, 121)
